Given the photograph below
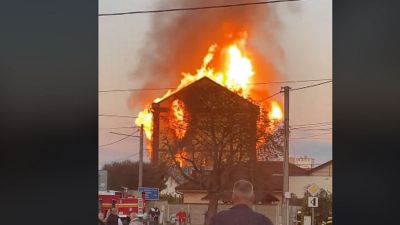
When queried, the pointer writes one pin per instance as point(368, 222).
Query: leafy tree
point(324, 209)
point(172, 199)
point(126, 174)
point(220, 134)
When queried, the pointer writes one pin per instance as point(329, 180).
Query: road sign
point(151, 194)
point(313, 202)
point(313, 189)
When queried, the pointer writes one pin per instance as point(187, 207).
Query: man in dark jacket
point(241, 213)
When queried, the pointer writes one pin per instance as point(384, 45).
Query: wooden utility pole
point(285, 199)
point(155, 107)
point(140, 184)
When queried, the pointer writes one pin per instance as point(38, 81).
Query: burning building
point(218, 94)
point(188, 121)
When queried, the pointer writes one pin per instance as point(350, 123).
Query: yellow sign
point(313, 189)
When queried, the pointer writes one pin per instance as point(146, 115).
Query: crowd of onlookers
point(152, 217)
point(241, 213)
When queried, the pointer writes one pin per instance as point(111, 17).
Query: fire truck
point(124, 202)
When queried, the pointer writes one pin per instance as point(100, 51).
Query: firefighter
point(181, 217)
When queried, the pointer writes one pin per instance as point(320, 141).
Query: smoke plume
point(178, 41)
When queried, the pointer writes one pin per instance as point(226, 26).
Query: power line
point(194, 8)
point(128, 135)
point(121, 116)
point(110, 128)
point(138, 89)
point(291, 81)
point(307, 124)
point(314, 85)
point(277, 93)
point(173, 88)
point(117, 140)
point(309, 129)
point(312, 138)
point(316, 135)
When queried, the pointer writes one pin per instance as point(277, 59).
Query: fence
point(197, 212)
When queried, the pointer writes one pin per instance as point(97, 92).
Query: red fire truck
point(123, 202)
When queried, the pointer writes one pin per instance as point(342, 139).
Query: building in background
point(321, 176)
point(304, 162)
point(268, 186)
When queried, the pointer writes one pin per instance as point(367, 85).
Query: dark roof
point(269, 177)
point(207, 82)
point(321, 166)
point(260, 196)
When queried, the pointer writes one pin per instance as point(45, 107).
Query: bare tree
point(221, 133)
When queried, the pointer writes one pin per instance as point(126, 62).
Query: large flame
point(179, 118)
point(236, 74)
point(275, 112)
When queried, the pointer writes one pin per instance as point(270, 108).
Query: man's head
point(243, 192)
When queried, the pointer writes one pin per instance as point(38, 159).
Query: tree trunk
point(212, 208)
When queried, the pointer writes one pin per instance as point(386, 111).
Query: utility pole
point(141, 157)
point(285, 199)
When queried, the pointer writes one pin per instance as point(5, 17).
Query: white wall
point(298, 184)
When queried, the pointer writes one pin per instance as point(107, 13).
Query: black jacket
point(240, 215)
point(112, 220)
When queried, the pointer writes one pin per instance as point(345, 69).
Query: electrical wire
point(114, 142)
point(314, 85)
point(316, 135)
point(110, 128)
point(121, 116)
point(173, 88)
point(277, 93)
point(195, 8)
point(310, 129)
point(311, 124)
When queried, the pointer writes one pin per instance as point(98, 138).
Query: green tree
point(172, 199)
point(126, 174)
point(324, 209)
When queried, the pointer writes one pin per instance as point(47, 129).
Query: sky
point(305, 37)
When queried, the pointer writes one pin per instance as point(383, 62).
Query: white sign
point(307, 220)
point(312, 202)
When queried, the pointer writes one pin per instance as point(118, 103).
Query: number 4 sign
point(313, 202)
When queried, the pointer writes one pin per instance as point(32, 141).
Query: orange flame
point(145, 117)
point(179, 157)
point(275, 111)
point(179, 118)
point(236, 75)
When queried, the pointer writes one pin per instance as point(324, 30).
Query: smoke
point(178, 41)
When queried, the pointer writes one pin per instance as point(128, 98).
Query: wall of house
point(298, 184)
point(194, 198)
point(325, 171)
